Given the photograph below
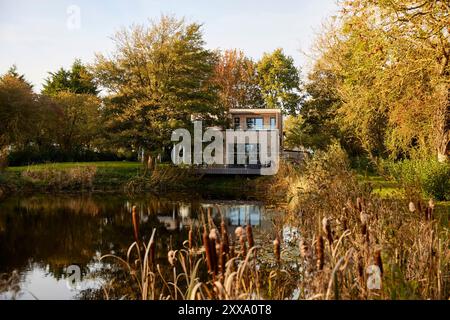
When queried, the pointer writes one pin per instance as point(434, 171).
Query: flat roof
point(255, 110)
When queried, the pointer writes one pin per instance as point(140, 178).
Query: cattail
point(251, 242)
point(411, 207)
point(190, 238)
point(224, 235)
point(239, 232)
point(359, 204)
point(213, 250)
point(152, 252)
point(304, 249)
point(222, 257)
point(243, 246)
point(135, 218)
point(171, 257)
point(327, 230)
point(419, 206)
point(276, 249)
point(214, 234)
point(378, 261)
point(319, 252)
point(364, 219)
point(207, 250)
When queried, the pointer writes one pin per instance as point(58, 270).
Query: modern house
point(249, 120)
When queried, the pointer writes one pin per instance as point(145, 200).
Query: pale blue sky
point(34, 34)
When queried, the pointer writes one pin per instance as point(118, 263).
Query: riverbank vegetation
point(365, 217)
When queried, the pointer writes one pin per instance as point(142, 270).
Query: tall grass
point(350, 244)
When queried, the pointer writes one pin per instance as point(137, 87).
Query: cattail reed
point(171, 257)
point(364, 219)
point(222, 257)
point(243, 246)
point(377, 260)
point(251, 242)
point(207, 250)
point(224, 235)
point(190, 239)
point(327, 230)
point(320, 252)
point(135, 218)
point(304, 249)
point(213, 250)
point(277, 249)
point(359, 204)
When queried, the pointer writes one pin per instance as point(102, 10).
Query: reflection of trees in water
point(53, 232)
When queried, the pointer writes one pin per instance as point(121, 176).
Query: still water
point(41, 236)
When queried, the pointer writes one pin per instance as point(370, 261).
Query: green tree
point(76, 125)
point(391, 59)
point(158, 77)
point(76, 80)
point(279, 81)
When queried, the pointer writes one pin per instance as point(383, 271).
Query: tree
point(76, 80)
point(279, 81)
point(157, 78)
point(77, 121)
point(18, 112)
point(237, 79)
point(391, 58)
point(315, 127)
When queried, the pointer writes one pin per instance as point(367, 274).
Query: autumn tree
point(157, 78)
point(18, 112)
point(237, 80)
point(391, 58)
point(279, 81)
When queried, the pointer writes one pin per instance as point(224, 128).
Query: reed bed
point(347, 244)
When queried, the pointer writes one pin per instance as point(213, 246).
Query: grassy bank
point(108, 177)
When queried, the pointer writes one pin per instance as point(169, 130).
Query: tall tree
point(279, 81)
point(18, 112)
point(391, 58)
point(157, 78)
point(76, 80)
point(237, 80)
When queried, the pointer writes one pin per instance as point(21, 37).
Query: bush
point(429, 176)
point(34, 155)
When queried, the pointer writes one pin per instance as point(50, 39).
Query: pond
point(44, 238)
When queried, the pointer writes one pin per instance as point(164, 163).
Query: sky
point(40, 36)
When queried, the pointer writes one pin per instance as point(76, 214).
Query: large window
point(255, 123)
point(273, 123)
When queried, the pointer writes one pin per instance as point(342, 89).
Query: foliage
point(76, 80)
point(279, 80)
point(237, 80)
point(157, 78)
point(429, 175)
point(391, 62)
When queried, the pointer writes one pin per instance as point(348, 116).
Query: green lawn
point(65, 165)
point(382, 187)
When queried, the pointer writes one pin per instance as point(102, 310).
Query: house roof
point(255, 111)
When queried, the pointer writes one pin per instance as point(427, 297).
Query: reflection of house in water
point(235, 213)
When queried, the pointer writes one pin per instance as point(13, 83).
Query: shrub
point(430, 176)
point(53, 178)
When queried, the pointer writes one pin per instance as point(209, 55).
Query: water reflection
point(40, 236)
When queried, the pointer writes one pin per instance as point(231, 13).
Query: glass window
point(255, 123)
point(273, 123)
point(237, 123)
